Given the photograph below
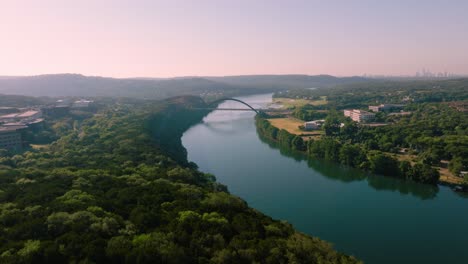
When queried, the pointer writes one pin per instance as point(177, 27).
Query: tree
point(332, 149)
point(429, 157)
point(424, 173)
point(315, 148)
point(383, 164)
point(351, 155)
point(457, 165)
point(298, 143)
point(349, 130)
point(332, 124)
point(405, 168)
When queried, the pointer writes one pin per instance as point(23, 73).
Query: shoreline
point(304, 152)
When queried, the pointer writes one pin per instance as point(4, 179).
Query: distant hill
point(79, 85)
point(153, 88)
point(22, 101)
point(291, 81)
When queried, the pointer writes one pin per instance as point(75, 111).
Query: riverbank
point(330, 149)
point(362, 214)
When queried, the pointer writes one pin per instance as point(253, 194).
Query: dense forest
point(116, 187)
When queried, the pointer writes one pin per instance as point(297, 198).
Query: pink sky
point(180, 38)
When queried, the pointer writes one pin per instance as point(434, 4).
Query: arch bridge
point(215, 103)
point(214, 106)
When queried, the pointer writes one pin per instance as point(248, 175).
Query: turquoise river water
point(377, 219)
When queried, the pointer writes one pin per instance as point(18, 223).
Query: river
point(377, 219)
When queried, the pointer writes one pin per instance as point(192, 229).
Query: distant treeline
point(360, 95)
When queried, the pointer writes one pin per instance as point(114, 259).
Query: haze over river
point(377, 219)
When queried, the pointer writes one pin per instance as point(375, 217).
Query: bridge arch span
point(216, 102)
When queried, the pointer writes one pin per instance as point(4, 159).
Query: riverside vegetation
point(332, 148)
point(116, 187)
point(435, 129)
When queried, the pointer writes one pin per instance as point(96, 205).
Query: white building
point(312, 125)
point(359, 115)
point(81, 103)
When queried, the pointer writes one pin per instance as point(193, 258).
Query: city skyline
point(218, 38)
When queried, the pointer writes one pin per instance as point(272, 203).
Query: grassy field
point(292, 126)
point(288, 123)
point(39, 146)
point(447, 176)
point(290, 103)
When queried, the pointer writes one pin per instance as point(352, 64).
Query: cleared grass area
point(316, 136)
point(288, 123)
point(39, 146)
point(404, 157)
point(447, 176)
point(290, 103)
point(292, 126)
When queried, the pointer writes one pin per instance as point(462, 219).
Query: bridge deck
point(242, 109)
point(250, 108)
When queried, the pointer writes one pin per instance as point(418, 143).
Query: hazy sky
point(129, 38)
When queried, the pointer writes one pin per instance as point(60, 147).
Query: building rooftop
point(315, 121)
point(35, 121)
point(360, 111)
point(84, 101)
point(29, 113)
point(13, 124)
point(9, 115)
point(11, 128)
point(24, 123)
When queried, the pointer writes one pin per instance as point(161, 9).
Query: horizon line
point(370, 76)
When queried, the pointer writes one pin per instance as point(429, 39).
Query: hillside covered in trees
point(117, 187)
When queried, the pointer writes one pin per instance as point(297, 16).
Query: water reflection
point(346, 174)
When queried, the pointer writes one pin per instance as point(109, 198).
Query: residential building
point(10, 138)
point(348, 112)
point(359, 115)
point(385, 107)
